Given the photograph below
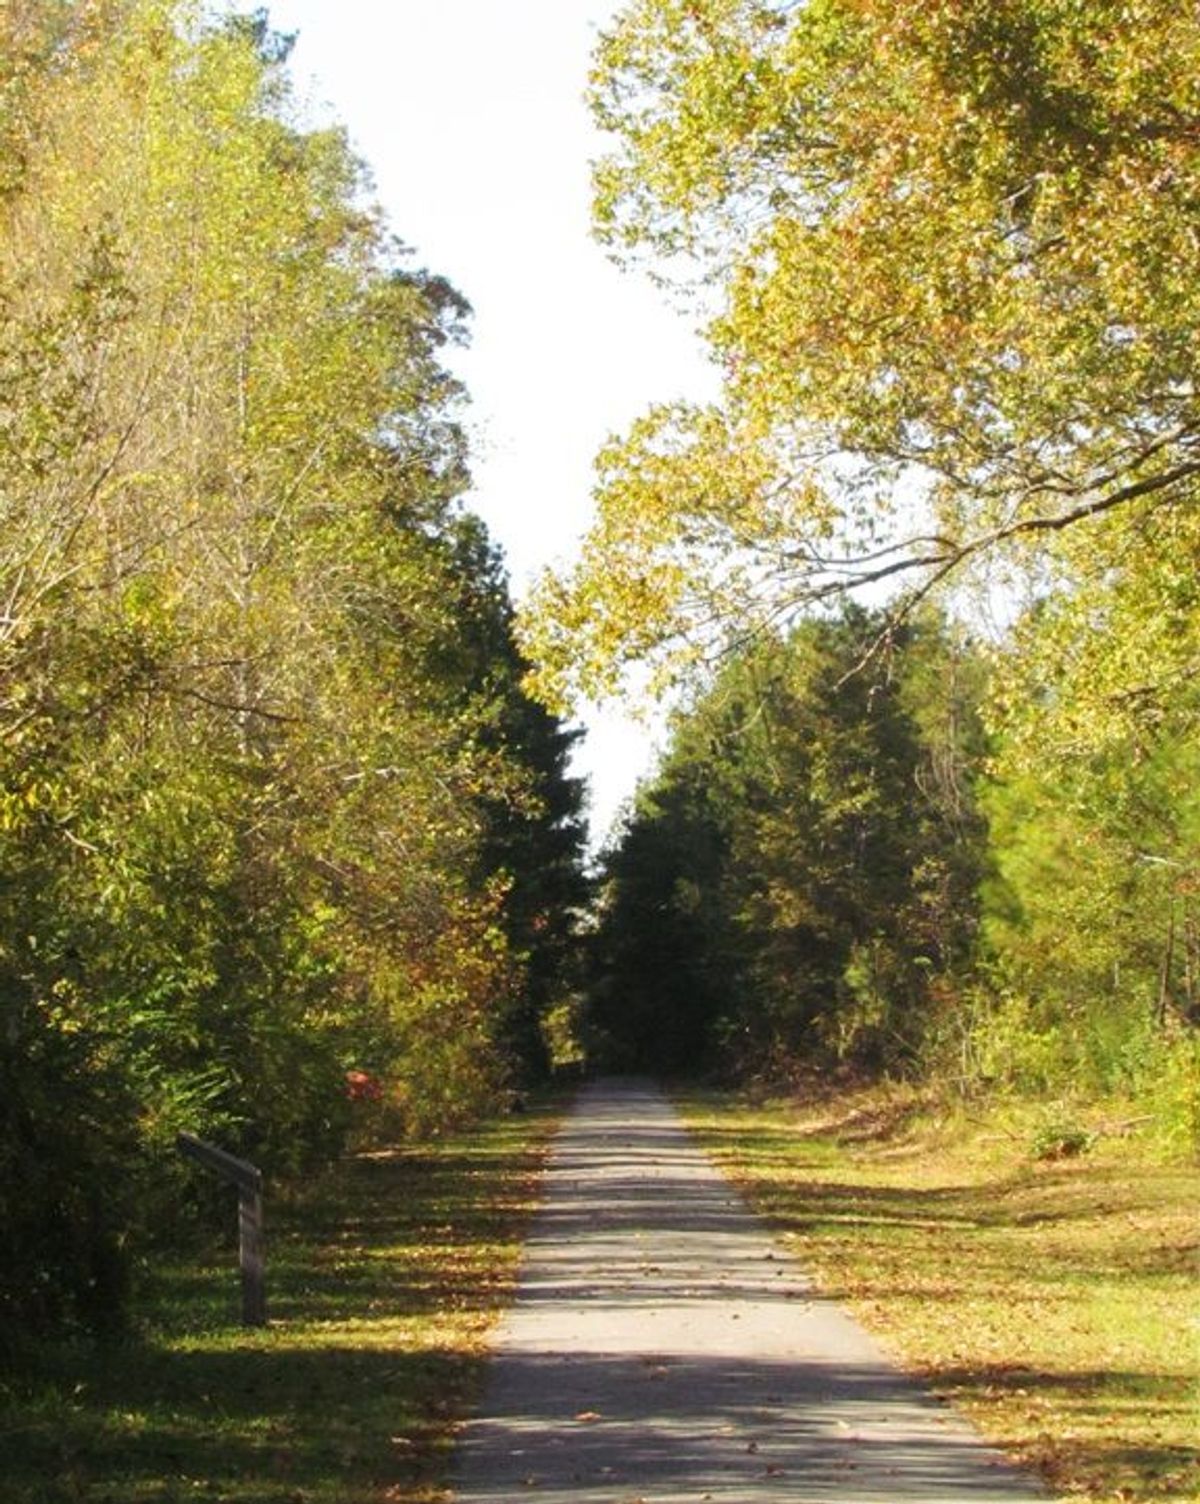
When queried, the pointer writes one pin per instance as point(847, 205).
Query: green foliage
point(564, 1029)
point(534, 829)
point(665, 959)
point(1090, 916)
point(801, 876)
point(69, 1173)
point(941, 249)
point(1060, 1136)
point(269, 809)
point(1171, 1090)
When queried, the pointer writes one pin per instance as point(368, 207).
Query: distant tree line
point(852, 856)
point(801, 879)
point(944, 257)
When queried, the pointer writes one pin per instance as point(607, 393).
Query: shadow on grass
point(1017, 1259)
point(793, 1184)
point(1090, 1408)
point(378, 1275)
point(251, 1425)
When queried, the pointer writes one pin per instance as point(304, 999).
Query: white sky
point(470, 114)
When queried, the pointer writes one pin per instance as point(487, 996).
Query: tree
point(1090, 911)
point(663, 962)
point(533, 829)
point(948, 247)
point(801, 877)
point(252, 784)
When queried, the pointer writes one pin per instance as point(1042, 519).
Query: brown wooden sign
point(251, 1248)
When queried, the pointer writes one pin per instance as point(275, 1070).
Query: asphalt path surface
point(662, 1346)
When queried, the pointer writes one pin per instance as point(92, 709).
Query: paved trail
point(663, 1347)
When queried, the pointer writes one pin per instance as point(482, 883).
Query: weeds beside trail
point(382, 1279)
point(1057, 1303)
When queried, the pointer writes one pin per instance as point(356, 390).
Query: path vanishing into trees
point(663, 1346)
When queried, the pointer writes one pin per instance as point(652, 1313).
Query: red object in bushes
point(362, 1087)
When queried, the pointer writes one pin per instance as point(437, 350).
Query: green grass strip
point(1056, 1303)
point(383, 1280)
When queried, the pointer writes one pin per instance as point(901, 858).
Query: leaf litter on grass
point(383, 1279)
point(1047, 1300)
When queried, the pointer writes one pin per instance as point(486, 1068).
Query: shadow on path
point(662, 1347)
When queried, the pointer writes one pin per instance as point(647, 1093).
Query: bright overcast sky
point(471, 117)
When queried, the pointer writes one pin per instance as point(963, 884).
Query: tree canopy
point(273, 804)
point(945, 255)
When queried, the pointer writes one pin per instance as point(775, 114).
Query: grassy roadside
point(1057, 1303)
point(383, 1279)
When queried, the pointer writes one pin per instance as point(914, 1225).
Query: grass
point(383, 1279)
point(1056, 1303)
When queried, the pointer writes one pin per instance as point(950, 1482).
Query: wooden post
point(251, 1249)
point(251, 1253)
